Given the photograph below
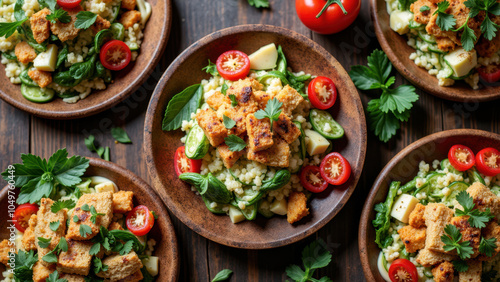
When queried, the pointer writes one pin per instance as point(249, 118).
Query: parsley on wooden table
point(259, 3)
point(314, 256)
point(222, 275)
point(451, 240)
point(272, 111)
point(120, 135)
point(477, 218)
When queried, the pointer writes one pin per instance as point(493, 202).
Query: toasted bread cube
point(128, 4)
point(6, 247)
point(297, 207)
point(492, 230)
point(444, 272)
point(136, 277)
point(129, 18)
point(286, 128)
point(42, 78)
point(428, 258)
point(123, 201)
point(41, 272)
point(212, 126)
point(290, 99)
point(120, 267)
point(473, 274)
point(217, 100)
point(67, 31)
point(71, 277)
point(259, 133)
point(44, 217)
point(229, 157)
point(24, 52)
point(28, 241)
point(243, 91)
point(484, 199)
point(103, 203)
point(115, 226)
point(437, 216)
point(413, 238)
point(416, 218)
point(469, 233)
point(238, 115)
point(278, 155)
point(40, 25)
point(262, 97)
point(100, 24)
point(77, 259)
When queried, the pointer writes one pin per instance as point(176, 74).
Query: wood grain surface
point(200, 258)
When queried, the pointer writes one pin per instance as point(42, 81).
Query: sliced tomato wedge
point(140, 220)
point(68, 4)
point(115, 55)
point(403, 270)
point(233, 65)
point(322, 92)
point(488, 161)
point(335, 169)
point(310, 178)
point(490, 73)
point(22, 216)
point(461, 157)
point(183, 164)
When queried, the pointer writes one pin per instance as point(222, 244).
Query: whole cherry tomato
point(327, 17)
point(490, 73)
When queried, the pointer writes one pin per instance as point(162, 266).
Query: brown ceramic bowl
point(398, 51)
point(403, 167)
point(302, 54)
point(163, 231)
point(125, 81)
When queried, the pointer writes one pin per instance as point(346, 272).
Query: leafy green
point(451, 240)
point(43, 242)
point(222, 275)
point(120, 135)
point(59, 205)
point(98, 266)
point(477, 218)
point(85, 230)
point(405, 5)
point(51, 4)
point(382, 221)
point(54, 225)
point(7, 29)
point(62, 55)
point(24, 262)
point(181, 106)
point(228, 122)
point(424, 8)
point(208, 186)
point(83, 70)
point(488, 27)
point(19, 13)
point(280, 179)
point(125, 235)
point(235, 143)
point(314, 256)
point(110, 242)
point(75, 218)
point(259, 3)
point(488, 246)
point(444, 21)
point(272, 111)
point(211, 68)
point(54, 277)
point(234, 101)
point(106, 153)
point(62, 246)
point(85, 19)
point(460, 265)
point(58, 15)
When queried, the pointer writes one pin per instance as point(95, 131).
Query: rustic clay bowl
point(302, 54)
point(394, 45)
point(163, 231)
point(125, 81)
point(403, 167)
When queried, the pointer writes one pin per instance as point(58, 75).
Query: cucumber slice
point(474, 176)
point(133, 46)
point(321, 119)
point(197, 143)
point(216, 210)
point(118, 31)
point(414, 25)
point(446, 164)
point(448, 71)
point(250, 212)
point(430, 183)
point(457, 187)
point(115, 13)
point(249, 196)
point(434, 49)
point(426, 37)
point(36, 94)
point(26, 79)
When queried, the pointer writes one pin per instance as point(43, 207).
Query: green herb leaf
point(59, 15)
point(62, 245)
point(405, 4)
point(44, 243)
point(228, 122)
point(51, 4)
point(384, 125)
point(120, 135)
point(460, 265)
point(488, 28)
point(61, 57)
point(127, 247)
point(59, 205)
point(24, 262)
point(19, 13)
point(75, 218)
point(488, 246)
point(54, 225)
point(50, 257)
point(98, 266)
point(314, 256)
point(181, 106)
point(259, 3)
point(106, 154)
point(468, 38)
point(7, 29)
point(222, 275)
point(211, 68)
point(382, 219)
point(54, 277)
point(452, 238)
point(424, 8)
point(224, 88)
point(477, 218)
point(235, 143)
point(444, 21)
point(399, 99)
point(85, 207)
point(95, 249)
point(234, 102)
point(85, 19)
point(272, 111)
point(85, 230)
point(295, 272)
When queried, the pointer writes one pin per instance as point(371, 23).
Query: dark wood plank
point(14, 132)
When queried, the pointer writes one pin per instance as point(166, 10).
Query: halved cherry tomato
point(233, 65)
point(490, 73)
point(327, 17)
point(68, 4)
point(115, 55)
point(140, 220)
point(403, 270)
point(461, 157)
point(22, 216)
point(182, 164)
point(335, 169)
point(488, 161)
point(322, 92)
point(310, 178)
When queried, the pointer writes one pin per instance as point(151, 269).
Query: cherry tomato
point(488, 161)
point(461, 157)
point(490, 73)
point(22, 216)
point(115, 55)
point(68, 4)
point(310, 178)
point(403, 270)
point(322, 92)
point(327, 17)
point(233, 65)
point(183, 164)
point(140, 220)
point(335, 169)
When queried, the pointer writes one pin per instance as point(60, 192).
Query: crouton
point(44, 217)
point(42, 78)
point(443, 272)
point(445, 44)
point(115, 226)
point(40, 25)
point(120, 267)
point(77, 259)
point(437, 216)
point(484, 199)
point(286, 128)
point(237, 114)
point(428, 258)
point(413, 238)
point(290, 99)
point(71, 277)
point(212, 126)
point(261, 97)
point(492, 230)
point(123, 201)
point(67, 31)
point(135, 277)
point(229, 157)
point(41, 272)
point(423, 17)
point(129, 18)
point(416, 218)
point(6, 247)
point(278, 155)
point(297, 207)
point(28, 241)
point(100, 24)
point(259, 133)
point(24, 52)
point(216, 100)
point(103, 203)
point(243, 91)
point(468, 232)
point(473, 274)
point(128, 4)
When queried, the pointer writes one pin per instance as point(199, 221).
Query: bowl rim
point(32, 108)
point(364, 222)
point(153, 105)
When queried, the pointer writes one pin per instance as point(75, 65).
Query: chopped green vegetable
point(314, 256)
point(85, 19)
point(58, 15)
point(451, 240)
point(477, 218)
point(181, 106)
point(382, 221)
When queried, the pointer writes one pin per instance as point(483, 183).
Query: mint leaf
point(54, 225)
point(85, 19)
point(181, 106)
point(235, 143)
point(228, 122)
point(120, 135)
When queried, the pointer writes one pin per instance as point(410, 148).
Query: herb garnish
point(259, 3)
point(54, 225)
point(228, 122)
point(85, 19)
point(120, 135)
point(211, 68)
point(272, 111)
point(85, 230)
point(235, 143)
point(451, 240)
point(314, 256)
point(222, 275)
point(51, 257)
point(477, 218)
point(488, 246)
point(59, 205)
point(58, 15)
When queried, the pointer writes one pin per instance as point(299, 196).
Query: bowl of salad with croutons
point(433, 212)
point(74, 219)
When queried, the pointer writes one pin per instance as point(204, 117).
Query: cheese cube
point(461, 61)
point(46, 61)
point(315, 143)
point(403, 206)
point(279, 206)
point(400, 21)
point(265, 58)
point(235, 215)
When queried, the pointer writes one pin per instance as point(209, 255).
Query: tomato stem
point(328, 4)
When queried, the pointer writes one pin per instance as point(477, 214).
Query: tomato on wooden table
point(22, 216)
point(68, 4)
point(183, 164)
point(140, 220)
point(488, 161)
point(327, 17)
point(335, 169)
point(490, 73)
point(403, 270)
point(461, 157)
point(322, 92)
point(115, 55)
point(310, 178)
point(233, 65)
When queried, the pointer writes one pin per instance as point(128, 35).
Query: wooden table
point(202, 259)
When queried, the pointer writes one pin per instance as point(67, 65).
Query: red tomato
point(461, 157)
point(140, 220)
point(22, 216)
point(327, 17)
point(183, 164)
point(490, 73)
point(233, 65)
point(115, 55)
point(403, 270)
point(335, 169)
point(310, 178)
point(322, 92)
point(488, 161)
point(68, 4)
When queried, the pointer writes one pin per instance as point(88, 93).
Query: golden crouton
point(290, 99)
point(216, 100)
point(243, 91)
point(473, 274)
point(135, 277)
point(428, 258)
point(77, 259)
point(437, 216)
point(71, 277)
point(468, 232)
point(67, 31)
point(129, 18)
point(100, 24)
point(41, 272)
point(285, 127)
point(212, 126)
point(229, 157)
point(416, 218)
point(42, 229)
point(262, 97)
point(6, 247)
point(487, 48)
point(120, 267)
point(123, 201)
point(128, 4)
point(42, 78)
point(492, 230)
point(259, 133)
point(297, 207)
point(103, 203)
point(413, 238)
point(115, 226)
point(423, 17)
point(445, 44)
point(484, 199)
point(24, 52)
point(238, 114)
point(28, 241)
point(444, 272)
point(40, 25)
point(278, 155)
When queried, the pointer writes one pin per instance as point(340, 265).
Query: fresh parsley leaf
point(477, 218)
point(85, 19)
point(405, 4)
point(51, 4)
point(85, 207)
point(468, 38)
point(85, 230)
point(222, 275)
point(89, 143)
point(234, 101)
point(181, 106)
point(7, 29)
point(295, 272)
point(100, 152)
point(120, 135)
point(451, 240)
point(314, 256)
point(98, 265)
point(54, 225)
point(19, 13)
point(444, 21)
point(224, 88)
point(211, 68)
point(63, 245)
point(399, 99)
point(488, 246)
point(75, 218)
point(235, 143)
point(259, 3)
point(95, 249)
point(488, 28)
point(44, 243)
point(384, 125)
point(50, 257)
point(24, 262)
point(424, 8)
point(127, 247)
point(228, 122)
point(59, 15)
point(125, 235)
point(272, 111)
point(54, 277)
point(59, 205)
point(460, 265)
point(94, 214)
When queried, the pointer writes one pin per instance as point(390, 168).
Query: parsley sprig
point(211, 68)
point(451, 240)
point(259, 3)
point(7, 29)
point(272, 111)
point(85, 19)
point(51, 257)
point(59, 15)
point(59, 205)
point(314, 256)
point(488, 246)
point(24, 265)
point(235, 143)
point(92, 211)
point(444, 21)
point(488, 27)
point(120, 241)
point(477, 219)
point(54, 277)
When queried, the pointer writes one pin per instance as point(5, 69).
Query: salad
point(67, 48)
point(258, 141)
point(443, 225)
point(453, 39)
point(75, 228)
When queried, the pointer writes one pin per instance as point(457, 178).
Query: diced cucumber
point(145, 9)
point(217, 210)
point(118, 31)
point(414, 25)
point(448, 71)
point(26, 79)
point(426, 37)
point(197, 143)
point(430, 183)
point(446, 164)
point(133, 46)
point(434, 49)
point(463, 77)
point(37, 94)
point(456, 187)
point(250, 196)
point(115, 12)
point(400, 21)
point(474, 176)
point(324, 124)
point(461, 61)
